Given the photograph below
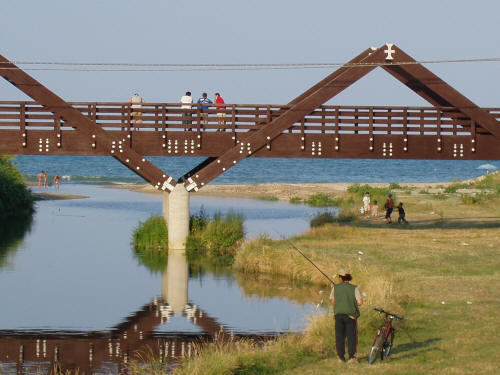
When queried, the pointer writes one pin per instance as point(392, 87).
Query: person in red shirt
point(220, 111)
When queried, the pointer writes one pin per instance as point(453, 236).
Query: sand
point(281, 191)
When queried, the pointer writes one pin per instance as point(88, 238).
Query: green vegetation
point(322, 219)
point(11, 236)
point(16, 200)
point(394, 185)
point(356, 192)
point(210, 241)
point(295, 200)
point(322, 200)
point(266, 197)
point(150, 241)
point(217, 238)
point(16, 209)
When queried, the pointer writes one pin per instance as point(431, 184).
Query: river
point(73, 292)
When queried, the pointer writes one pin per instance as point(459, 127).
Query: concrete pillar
point(178, 218)
point(165, 198)
point(174, 281)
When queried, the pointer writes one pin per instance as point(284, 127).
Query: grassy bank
point(440, 271)
point(16, 209)
point(16, 201)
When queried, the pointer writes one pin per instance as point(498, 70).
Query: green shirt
point(346, 299)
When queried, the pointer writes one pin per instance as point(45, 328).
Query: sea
point(107, 170)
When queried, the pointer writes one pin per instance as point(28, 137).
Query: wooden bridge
point(452, 127)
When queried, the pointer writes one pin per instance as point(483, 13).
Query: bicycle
point(384, 339)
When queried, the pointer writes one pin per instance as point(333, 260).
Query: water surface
point(74, 283)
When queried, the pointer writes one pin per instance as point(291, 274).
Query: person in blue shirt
point(204, 101)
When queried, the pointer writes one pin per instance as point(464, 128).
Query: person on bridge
point(136, 102)
point(389, 206)
point(220, 111)
point(204, 101)
point(346, 299)
point(186, 104)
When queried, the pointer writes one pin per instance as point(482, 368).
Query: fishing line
point(305, 256)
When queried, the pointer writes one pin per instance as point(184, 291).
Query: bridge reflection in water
point(112, 351)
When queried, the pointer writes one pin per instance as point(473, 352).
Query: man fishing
point(346, 299)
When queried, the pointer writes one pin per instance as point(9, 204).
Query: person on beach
point(40, 176)
point(45, 178)
point(389, 206)
point(401, 211)
point(346, 299)
point(204, 101)
point(374, 209)
point(186, 104)
point(57, 181)
point(136, 102)
point(366, 204)
point(220, 111)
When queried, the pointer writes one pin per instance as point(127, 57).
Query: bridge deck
point(328, 132)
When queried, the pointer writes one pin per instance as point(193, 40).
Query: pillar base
point(178, 218)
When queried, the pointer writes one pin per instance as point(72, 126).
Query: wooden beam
point(436, 91)
point(94, 134)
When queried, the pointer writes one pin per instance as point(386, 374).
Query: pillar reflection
point(174, 281)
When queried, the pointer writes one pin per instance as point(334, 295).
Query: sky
point(244, 32)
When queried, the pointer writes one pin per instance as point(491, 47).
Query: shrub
point(16, 200)
point(394, 185)
point(218, 238)
point(439, 196)
point(198, 221)
point(322, 200)
point(151, 234)
point(476, 199)
point(295, 200)
point(323, 218)
point(266, 198)
point(454, 187)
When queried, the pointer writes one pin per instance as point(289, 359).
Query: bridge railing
point(238, 118)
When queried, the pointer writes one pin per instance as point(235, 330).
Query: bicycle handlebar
point(391, 315)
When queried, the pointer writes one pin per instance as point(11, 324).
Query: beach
point(280, 191)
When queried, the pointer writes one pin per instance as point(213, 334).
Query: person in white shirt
point(186, 102)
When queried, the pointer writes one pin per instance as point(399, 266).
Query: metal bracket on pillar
point(192, 185)
point(166, 184)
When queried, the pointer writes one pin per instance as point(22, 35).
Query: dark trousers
point(346, 327)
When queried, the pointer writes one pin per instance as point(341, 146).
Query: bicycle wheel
point(387, 347)
point(377, 346)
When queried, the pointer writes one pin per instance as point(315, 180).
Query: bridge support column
point(165, 198)
point(178, 218)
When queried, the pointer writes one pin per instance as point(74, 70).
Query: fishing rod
point(305, 256)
